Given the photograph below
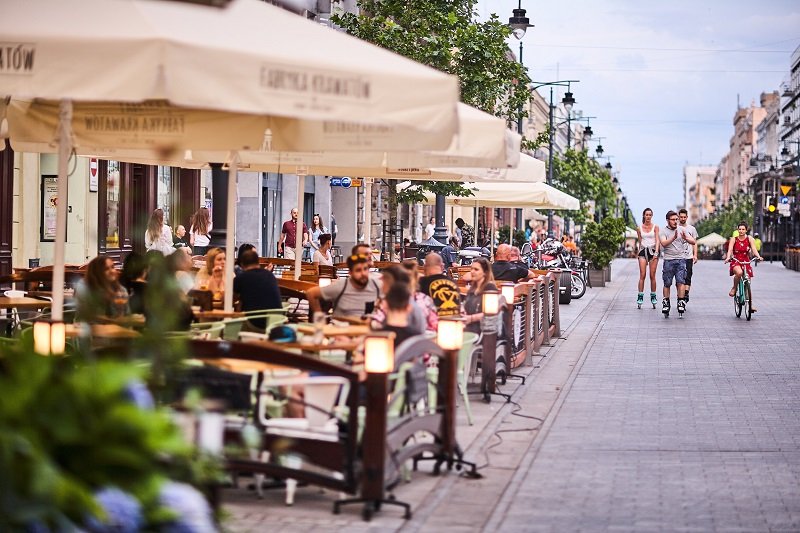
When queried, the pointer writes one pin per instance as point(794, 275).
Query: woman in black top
point(481, 281)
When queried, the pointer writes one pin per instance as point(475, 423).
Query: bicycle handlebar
point(742, 262)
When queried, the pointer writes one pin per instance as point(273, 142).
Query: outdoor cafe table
point(216, 315)
point(22, 303)
point(103, 331)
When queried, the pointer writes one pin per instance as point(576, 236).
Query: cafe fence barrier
point(792, 258)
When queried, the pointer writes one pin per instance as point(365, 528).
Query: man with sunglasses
point(354, 296)
point(674, 241)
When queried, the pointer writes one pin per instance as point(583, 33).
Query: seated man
point(505, 270)
point(352, 296)
point(397, 306)
point(442, 290)
point(256, 288)
point(450, 252)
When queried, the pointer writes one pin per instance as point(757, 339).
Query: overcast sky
point(662, 77)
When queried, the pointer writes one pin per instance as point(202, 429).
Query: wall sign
point(93, 174)
point(47, 227)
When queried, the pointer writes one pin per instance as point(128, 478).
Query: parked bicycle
point(552, 254)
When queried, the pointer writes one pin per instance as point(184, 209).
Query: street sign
point(785, 189)
point(336, 182)
point(783, 199)
point(346, 182)
point(783, 209)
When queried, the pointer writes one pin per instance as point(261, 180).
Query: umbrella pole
point(298, 228)
point(230, 234)
point(64, 150)
point(368, 213)
point(491, 239)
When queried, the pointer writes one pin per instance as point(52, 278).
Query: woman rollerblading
point(649, 246)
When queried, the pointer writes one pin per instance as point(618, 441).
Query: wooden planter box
point(597, 278)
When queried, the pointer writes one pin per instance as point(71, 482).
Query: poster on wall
point(93, 181)
point(49, 203)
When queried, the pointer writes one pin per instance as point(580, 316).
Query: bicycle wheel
point(737, 300)
point(748, 310)
point(578, 286)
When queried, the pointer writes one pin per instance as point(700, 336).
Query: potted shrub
point(599, 244)
point(84, 447)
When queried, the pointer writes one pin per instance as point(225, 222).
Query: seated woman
point(322, 255)
point(212, 277)
point(481, 281)
point(134, 279)
point(397, 307)
point(101, 294)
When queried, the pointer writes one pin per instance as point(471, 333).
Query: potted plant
point(84, 447)
point(599, 244)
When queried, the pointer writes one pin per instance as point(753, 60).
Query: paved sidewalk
point(677, 425)
point(649, 425)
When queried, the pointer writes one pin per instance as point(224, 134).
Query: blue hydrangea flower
point(138, 393)
point(194, 514)
point(123, 512)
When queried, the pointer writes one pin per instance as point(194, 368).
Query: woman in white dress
point(158, 235)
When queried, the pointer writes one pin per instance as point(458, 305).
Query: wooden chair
point(326, 271)
point(204, 299)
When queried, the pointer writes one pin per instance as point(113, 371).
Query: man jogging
point(690, 251)
point(673, 244)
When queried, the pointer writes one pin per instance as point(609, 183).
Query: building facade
point(699, 190)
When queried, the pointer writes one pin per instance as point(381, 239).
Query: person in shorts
point(674, 239)
point(689, 252)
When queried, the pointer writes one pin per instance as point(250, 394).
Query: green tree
point(725, 219)
point(446, 35)
point(576, 173)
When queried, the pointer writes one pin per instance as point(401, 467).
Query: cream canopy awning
point(711, 240)
point(513, 195)
point(155, 63)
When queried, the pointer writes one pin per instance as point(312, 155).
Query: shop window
point(164, 192)
point(113, 176)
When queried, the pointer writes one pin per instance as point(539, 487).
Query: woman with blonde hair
point(200, 231)
point(158, 235)
point(212, 277)
point(423, 301)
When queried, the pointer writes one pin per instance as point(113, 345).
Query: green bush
point(600, 242)
point(71, 428)
point(519, 236)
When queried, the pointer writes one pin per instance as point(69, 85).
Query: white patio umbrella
point(235, 59)
point(711, 240)
point(514, 195)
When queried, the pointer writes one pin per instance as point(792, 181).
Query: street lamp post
point(519, 24)
point(568, 102)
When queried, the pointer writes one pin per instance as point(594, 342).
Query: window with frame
point(164, 191)
point(113, 176)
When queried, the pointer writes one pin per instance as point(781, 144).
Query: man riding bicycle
point(741, 248)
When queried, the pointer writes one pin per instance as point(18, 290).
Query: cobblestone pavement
point(649, 425)
point(678, 425)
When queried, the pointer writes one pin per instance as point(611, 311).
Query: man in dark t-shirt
point(256, 288)
point(505, 270)
point(442, 290)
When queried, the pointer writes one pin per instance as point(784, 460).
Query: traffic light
point(772, 204)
